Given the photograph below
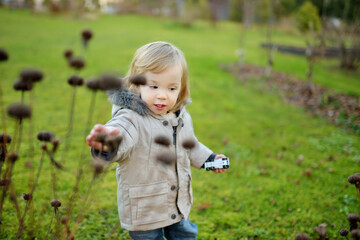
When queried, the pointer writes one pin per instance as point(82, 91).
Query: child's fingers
point(220, 156)
point(114, 132)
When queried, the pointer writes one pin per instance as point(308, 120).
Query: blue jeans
point(183, 230)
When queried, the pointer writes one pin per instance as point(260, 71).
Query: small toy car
point(217, 163)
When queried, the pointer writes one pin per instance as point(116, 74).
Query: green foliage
point(308, 18)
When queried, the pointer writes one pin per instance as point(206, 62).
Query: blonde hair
point(156, 57)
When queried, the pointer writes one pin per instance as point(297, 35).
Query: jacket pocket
point(190, 190)
point(148, 203)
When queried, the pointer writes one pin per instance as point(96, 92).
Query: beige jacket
point(151, 194)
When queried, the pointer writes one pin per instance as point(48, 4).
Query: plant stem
point(21, 224)
point(50, 224)
point(68, 134)
point(79, 218)
point(83, 155)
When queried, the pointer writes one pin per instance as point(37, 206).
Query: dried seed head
point(302, 236)
point(93, 84)
point(355, 234)
point(344, 232)
point(109, 82)
point(12, 157)
point(64, 220)
point(321, 229)
point(86, 34)
point(162, 140)
point(5, 138)
point(44, 146)
point(46, 136)
point(55, 203)
point(77, 63)
point(68, 54)
point(138, 80)
point(75, 80)
point(4, 56)
point(113, 142)
point(19, 111)
point(98, 167)
point(354, 179)
point(21, 85)
point(31, 75)
point(188, 144)
point(4, 181)
point(166, 158)
point(55, 143)
point(353, 217)
point(27, 196)
point(101, 137)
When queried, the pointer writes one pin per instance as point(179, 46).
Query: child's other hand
point(219, 170)
point(98, 128)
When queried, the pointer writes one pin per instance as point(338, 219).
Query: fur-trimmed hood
point(130, 100)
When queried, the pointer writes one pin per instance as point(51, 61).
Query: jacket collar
point(123, 98)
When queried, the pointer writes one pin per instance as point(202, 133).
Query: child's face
point(162, 89)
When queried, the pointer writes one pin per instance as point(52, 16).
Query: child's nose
point(161, 94)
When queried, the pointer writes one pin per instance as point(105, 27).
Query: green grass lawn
point(264, 194)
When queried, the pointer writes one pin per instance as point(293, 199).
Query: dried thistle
point(93, 84)
point(98, 167)
point(4, 181)
point(77, 63)
point(354, 179)
point(75, 80)
point(44, 147)
point(166, 158)
point(113, 142)
point(5, 138)
point(27, 196)
point(55, 203)
point(321, 229)
point(68, 54)
point(31, 75)
point(86, 35)
point(19, 111)
point(302, 236)
point(188, 144)
point(353, 218)
point(4, 56)
point(21, 85)
point(55, 143)
point(162, 140)
point(355, 234)
point(344, 232)
point(12, 157)
point(109, 82)
point(45, 136)
point(138, 80)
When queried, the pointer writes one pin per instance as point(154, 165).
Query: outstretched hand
point(98, 128)
point(219, 170)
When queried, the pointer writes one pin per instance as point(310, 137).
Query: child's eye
point(173, 88)
point(153, 86)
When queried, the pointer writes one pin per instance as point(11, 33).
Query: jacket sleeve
point(200, 153)
point(122, 119)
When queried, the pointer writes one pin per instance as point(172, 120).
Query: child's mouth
point(159, 106)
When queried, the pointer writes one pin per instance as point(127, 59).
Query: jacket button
point(165, 123)
point(173, 216)
point(173, 187)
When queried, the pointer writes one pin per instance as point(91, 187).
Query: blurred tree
point(308, 18)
